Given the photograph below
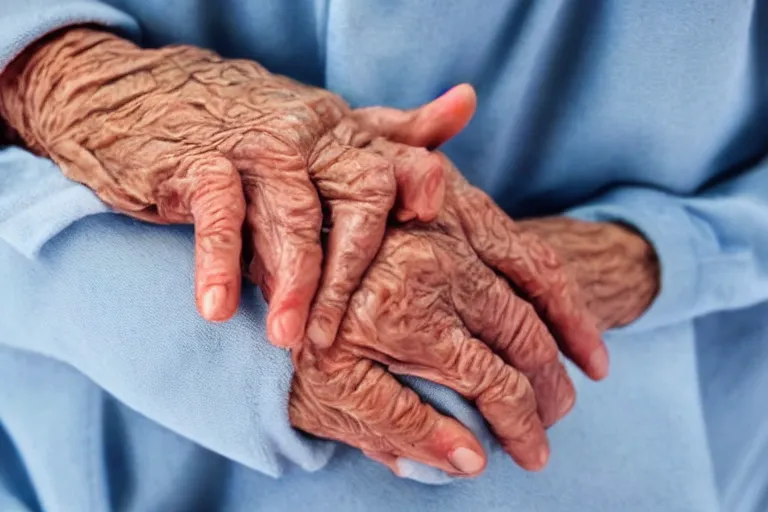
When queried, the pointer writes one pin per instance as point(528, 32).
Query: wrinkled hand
point(616, 269)
point(179, 135)
point(437, 304)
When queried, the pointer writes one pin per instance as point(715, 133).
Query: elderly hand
point(180, 135)
point(616, 269)
point(436, 304)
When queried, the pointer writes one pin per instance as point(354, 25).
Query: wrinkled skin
point(616, 269)
point(180, 135)
point(436, 304)
point(185, 125)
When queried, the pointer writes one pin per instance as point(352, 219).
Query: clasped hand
point(452, 291)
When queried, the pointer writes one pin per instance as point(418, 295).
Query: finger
point(283, 222)
point(217, 206)
point(552, 381)
point(503, 395)
point(359, 189)
point(364, 406)
point(420, 177)
point(510, 326)
point(428, 126)
point(537, 272)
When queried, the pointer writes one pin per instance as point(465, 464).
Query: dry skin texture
point(434, 304)
point(470, 299)
point(180, 135)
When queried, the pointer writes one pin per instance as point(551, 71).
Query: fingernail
point(288, 326)
point(212, 300)
point(466, 461)
point(598, 363)
point(405, 215)
point(543, 456)
point(318, 336)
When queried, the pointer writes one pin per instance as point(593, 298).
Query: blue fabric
point(649, 112)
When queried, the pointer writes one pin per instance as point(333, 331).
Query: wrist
point(43, 77)
point(616, 269)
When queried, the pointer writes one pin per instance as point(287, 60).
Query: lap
point(118, 293)
point(732, 350)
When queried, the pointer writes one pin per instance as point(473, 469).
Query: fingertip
point(405, 215)
point(216, 305)
point(535, 460)
point(443, 118)
point(467, 461)
point(320, 336)
point(598, 364)
point(543, 458)
point(285, 327)
point(460, 103)
point(457, 449)
point(464, 96)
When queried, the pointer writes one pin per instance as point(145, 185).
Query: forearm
point(110, 297)
point(23, 24)
point(42, 89)
point(616, 269)
point(224, 387)
point(712, 247)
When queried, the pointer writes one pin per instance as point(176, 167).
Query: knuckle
point(377, 177)
point(472, 365)
point(283, 154)
point(549, 262)
point(219, 228)
point(512, 389)
point(335, 293)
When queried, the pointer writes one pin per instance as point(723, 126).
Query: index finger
point(537, 272)
point(359, 190)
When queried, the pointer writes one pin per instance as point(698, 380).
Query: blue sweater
point(652, 113)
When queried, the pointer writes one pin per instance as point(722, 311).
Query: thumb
point(428, 126)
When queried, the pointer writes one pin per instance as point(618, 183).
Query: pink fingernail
point(288, 326)
point(466, 461)
point(212, 300)
point(598, 363)
point(318, 335)
point(543, 456)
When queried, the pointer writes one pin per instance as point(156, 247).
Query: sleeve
point(22, 23)
point(712, 246)
point(113, 298)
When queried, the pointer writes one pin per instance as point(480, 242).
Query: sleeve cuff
point(675, 236)
point(21, 25)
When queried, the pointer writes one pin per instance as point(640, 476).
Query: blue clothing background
point(646, 112)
